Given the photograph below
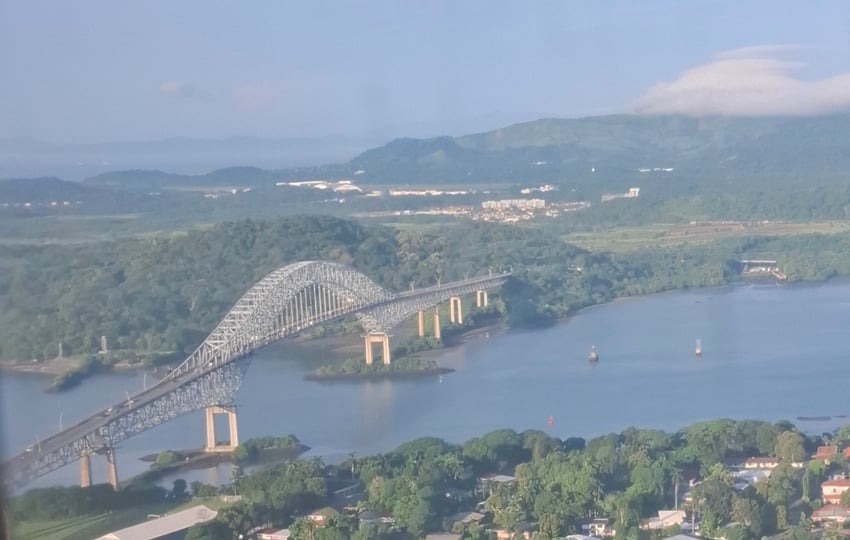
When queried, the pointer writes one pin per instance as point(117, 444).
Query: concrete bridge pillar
point(481, 298)
point(233, 441)
point(455, 310)
point(85, 470)
point(111, 468)
point(384, 341)
point(437, 322)
point(421, 323)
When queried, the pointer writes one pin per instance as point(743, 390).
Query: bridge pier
point(437, 322)
point(85, 470)
point(233, 441)
point(384, 340)
point(455, 310)
point(421, 323)
point(111, 468)
point(480, 298)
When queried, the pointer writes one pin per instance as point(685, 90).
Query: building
point(467, 518)
point(522, 204)
point(665, 519)
point(826, 453)
point(599, 527)
point(831, 512)
point(442, 536)
point(761, 463)
point(833, 489)
point(167, 527)
point(273, 534)
point(523, 530)
point(320, 517)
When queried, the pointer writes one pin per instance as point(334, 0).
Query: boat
point(593, 356)
point(699, 347)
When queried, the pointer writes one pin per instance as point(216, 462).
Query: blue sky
point(93, 71)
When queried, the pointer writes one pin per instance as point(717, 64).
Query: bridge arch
point(284, 302)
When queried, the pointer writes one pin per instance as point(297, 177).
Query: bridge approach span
point(282, 304)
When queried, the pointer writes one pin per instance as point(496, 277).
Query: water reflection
point(376, 410)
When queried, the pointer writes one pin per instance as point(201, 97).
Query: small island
point(357, 369)
point(253, 452)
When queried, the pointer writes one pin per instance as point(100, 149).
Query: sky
point(101, 71)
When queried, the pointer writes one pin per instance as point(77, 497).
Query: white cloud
point(256, 95)
point(753, 81)
point(176, 89)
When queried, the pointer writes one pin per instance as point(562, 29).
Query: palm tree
point(677, 479)
point(353, 457)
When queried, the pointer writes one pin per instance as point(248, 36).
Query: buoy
point(551, 421)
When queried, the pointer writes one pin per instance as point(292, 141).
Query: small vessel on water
point(593, 356)
point(699, 347)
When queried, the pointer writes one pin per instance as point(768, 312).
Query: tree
point(749, 512)
point(178, 489)
point(716, 495)
point(790, 447)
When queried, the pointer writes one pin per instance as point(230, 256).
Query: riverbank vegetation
point(522, 481)
point(163, 293)
point(356, 368)
point(532, 481)
point(252, 450)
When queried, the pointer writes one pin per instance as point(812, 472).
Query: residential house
point(833, 489)
point(826, 453)
point(468, 518)
point(600, 527)
point(761, 463)
point(831, 512)
point(485, 485)
point(368, 516)
point(494, 479)
point(320, 517)
point(523, 529)
point(273, 534)
point(665, 519)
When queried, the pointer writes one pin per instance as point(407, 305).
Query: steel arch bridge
point(284, 303)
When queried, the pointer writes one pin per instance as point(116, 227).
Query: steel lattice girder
point(283, 303)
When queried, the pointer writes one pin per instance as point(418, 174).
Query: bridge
point(282, 304)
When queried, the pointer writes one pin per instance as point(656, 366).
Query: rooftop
point(168, 524)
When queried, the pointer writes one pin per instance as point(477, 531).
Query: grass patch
point(666, 235)
point(101, 524)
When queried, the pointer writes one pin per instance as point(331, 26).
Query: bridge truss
point(284, 303)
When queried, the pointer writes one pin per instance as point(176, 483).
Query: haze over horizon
point(99, 71)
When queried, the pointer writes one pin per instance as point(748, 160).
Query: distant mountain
point(616, 147)
point(27, 157)
point(589, 155)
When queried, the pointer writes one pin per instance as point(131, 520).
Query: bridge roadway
point(96, 434)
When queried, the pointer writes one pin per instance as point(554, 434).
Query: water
point(768, 352)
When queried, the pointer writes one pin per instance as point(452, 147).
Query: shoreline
point(198, 459)
point(44, 369)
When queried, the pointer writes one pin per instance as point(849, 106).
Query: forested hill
point(592, 154)
point(164, 294)
point(717, 149)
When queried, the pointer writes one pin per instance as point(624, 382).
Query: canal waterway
point(768, 352)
